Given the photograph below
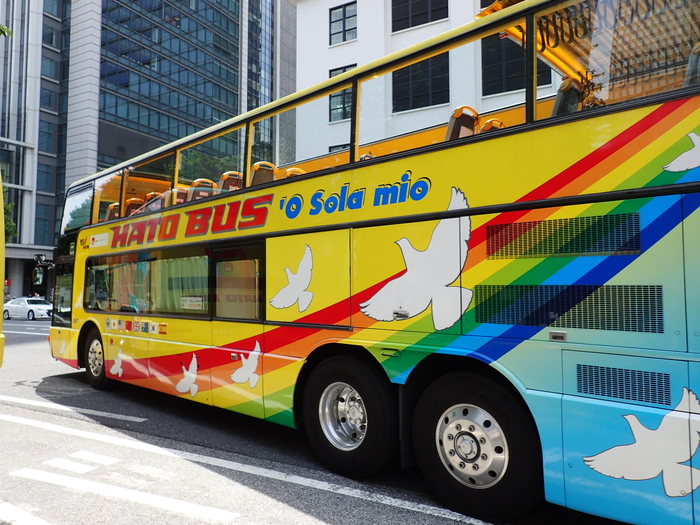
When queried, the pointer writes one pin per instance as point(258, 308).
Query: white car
point(28, 307)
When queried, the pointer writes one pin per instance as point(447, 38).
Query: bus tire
point(350, 416)
point(94, 359)
point(478, 447)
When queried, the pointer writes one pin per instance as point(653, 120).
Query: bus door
point(625, 373)
point(179, 327)
point(237, 330)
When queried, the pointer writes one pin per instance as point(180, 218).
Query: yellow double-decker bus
point(507, 296)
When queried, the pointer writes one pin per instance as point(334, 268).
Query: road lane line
point(94, 458)
point(70, 466)
point(135, 496)
point(249, 469)
point(16, 516)
point(86, 411)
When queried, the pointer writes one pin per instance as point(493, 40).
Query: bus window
point(179, 282)
point(296, 133)
point(239, 285)
point(613, 51)
point(148, 186)
point(107, 196)
point(209, 167)
point(63, 294)
point(419, 104)
point(77, 209)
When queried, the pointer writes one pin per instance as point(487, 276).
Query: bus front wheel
point(94, 359)
point(350, 417)
point(478, 448)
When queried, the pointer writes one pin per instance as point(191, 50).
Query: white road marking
point(136, 496)
point(257, 471)
point(16, 516)
point(86, 411)
point(94, 458)
point(71, 466)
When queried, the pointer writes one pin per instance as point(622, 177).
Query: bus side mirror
point(38, 276)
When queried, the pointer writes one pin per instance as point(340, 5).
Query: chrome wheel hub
point(471, 446)
point(95, 358)
point(342, 416)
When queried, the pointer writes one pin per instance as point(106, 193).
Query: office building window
point(411, 13)
point(503, 64)
point(426, 83)
point(42, 230)
point(45, 136)
point(340, 101)
point(49, 67)
point(47, 99)
point(51, 7)
point(49, 36)
point(343, 23)
point(43, 177)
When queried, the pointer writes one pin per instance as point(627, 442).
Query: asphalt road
point(73, 454)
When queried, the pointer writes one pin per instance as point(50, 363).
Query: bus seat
point(113, 211)
point(568, 97)
point(491, 125)
point(201, 188)
point(132, 205)
point(151, 196)
point(231, 181)
point(366, 156)
point(180, 194)
point(263, 172)
point(290, 172)
point(463, 123)
point(692, 72)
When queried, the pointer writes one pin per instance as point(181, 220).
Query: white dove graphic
point(687, 160)
point(661, 451)
point(247, 370)
point(295, 291)
point(117, 369)
point(188, 383)
point(429, 275)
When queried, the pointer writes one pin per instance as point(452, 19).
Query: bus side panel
point(236, 370)
point(402, 276)
point(64, 343)
point(626, 438)
point(694, 413)
point(308, 278)
point(180, 359)
point(125, 343)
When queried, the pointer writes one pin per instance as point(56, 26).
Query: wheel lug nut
point(458, 428)
point(475, 467)
point(462, 464)
point(451, 452)
point(484, 457)
point(482, 441)
point(471, 428)
point(450, 437)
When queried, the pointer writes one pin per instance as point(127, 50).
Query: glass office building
point(88, 85)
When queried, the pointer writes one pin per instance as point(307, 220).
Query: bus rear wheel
point(350, 417)
point(94, 359)
point(478, 448)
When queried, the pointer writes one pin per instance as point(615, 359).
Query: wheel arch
point(432, 368)
point(82, 336)
point(320, 354)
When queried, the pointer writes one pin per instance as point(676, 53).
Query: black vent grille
point(621, 383)
point(621, 308)
point(616, 234)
